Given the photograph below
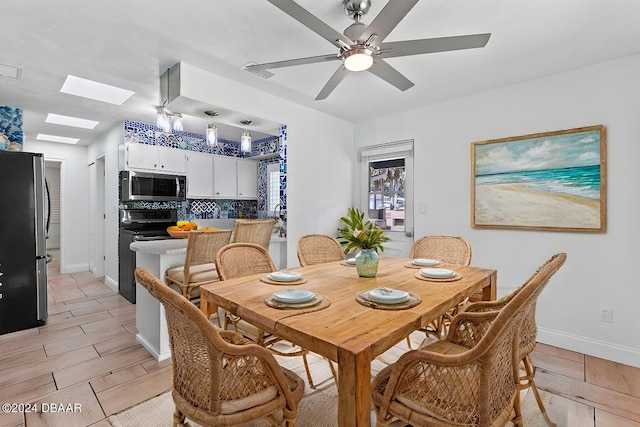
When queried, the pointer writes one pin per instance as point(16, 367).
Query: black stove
point(138, 225)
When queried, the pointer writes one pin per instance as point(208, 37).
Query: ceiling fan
point(362, 47)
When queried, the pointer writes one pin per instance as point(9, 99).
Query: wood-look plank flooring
point(85, 364)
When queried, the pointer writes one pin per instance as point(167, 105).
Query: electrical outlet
point(606, 315)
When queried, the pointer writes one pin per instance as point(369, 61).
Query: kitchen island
point(157, 256)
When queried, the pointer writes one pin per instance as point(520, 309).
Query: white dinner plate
point(284, 276)
point(294, 296)
point(437, 273)
point(351, 261)
point(388, 296)
point(425, 262)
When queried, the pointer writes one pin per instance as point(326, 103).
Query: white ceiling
point(130, 43)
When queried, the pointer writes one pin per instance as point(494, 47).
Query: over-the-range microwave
point(151, 187)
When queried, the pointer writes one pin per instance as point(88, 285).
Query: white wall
point(599, 268)
point(107, 145)
point(319, 151)
point(74, 204)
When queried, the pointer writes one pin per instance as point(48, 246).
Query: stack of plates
point(388, 296)
point(285, 276)
point(437, 273)
point(425, 262)
point(293, 296)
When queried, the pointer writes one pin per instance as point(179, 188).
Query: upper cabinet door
point(224, 177)
point(172, 160)
point(152, 158)
point(199, 175)
point(141, 157)
point(247, 179)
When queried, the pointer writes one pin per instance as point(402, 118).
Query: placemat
point(409, 264)
point(317, 303)
point(345, 263)
point(362, 298)
point(269, 280)
point(458, 276)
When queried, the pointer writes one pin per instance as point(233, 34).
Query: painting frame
point(551, 181)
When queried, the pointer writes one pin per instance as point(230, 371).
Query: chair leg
point(530, 373)
point(178, 418)
point(517, 419)
point(307, 370)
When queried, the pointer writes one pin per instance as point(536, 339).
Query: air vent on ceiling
point(257, 71)
point(10, 71)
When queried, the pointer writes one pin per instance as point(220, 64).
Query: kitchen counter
point(157, 256)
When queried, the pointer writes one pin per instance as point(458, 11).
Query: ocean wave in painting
point(582, 181)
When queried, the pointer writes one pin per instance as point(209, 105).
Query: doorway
point(52, 169)
point(97, 216)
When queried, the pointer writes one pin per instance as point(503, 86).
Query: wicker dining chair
point(471, 377)
point(199, 265)
point(528, 329)
point(318, 249)
point(245, 259)
point(449, 250)
point(219, 377)
point(253, 231)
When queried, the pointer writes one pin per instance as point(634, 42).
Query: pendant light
point(162, 121)
point(177, 122)
point(212, 130)
point(245, 139)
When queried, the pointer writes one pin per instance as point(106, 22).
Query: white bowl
point(294, 296)
point(285, 276)
point(351, 261)
point(437, 273)
point(425, 262)
point(388, 296)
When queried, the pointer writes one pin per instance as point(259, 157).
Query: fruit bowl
point(178, 234)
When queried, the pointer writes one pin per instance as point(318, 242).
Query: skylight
point(93, 90)
point(77, 122)
point(54, 138)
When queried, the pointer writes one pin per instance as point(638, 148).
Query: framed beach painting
point(547, 181)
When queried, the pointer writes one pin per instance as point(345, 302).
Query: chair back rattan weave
point(448, 249)
point(243, 259)
point(318, 249)
point(254, 231)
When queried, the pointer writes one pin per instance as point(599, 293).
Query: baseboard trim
point(596, 348)
point(112, 284)
point(75, 268)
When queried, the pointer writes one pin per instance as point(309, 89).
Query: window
point(387, 193)
point(273, 186)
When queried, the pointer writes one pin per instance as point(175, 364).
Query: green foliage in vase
point(357, 233)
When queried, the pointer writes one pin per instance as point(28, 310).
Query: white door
point(199, 175)
point(386, 192)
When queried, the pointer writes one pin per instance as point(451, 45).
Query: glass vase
point(367, 263)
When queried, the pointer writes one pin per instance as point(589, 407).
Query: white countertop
point(160, 247)
point(173, 246)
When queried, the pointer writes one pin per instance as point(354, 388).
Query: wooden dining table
point(346, 331)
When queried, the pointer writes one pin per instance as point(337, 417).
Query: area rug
point(318, 407)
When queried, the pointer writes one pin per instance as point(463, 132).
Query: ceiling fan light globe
point(359, 59)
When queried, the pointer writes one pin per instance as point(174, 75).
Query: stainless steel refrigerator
point(23, 270)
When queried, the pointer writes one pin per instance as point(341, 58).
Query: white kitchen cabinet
point(199, 175)
point(153, 158)
point(225, 181)
point(247, 175)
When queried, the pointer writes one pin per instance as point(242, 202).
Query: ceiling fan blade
point(390, 75)
point(335, 79)
point(441, 44)
point(292, 62)
point(387, 20)
point(310, 21)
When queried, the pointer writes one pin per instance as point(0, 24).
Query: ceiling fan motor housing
point(356, 8)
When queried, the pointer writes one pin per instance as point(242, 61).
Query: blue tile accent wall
point(143, 133)
point(11, 135)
